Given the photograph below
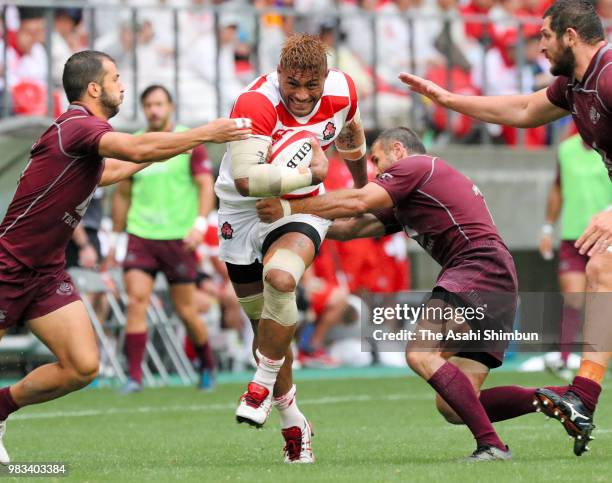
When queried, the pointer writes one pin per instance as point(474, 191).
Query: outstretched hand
point(269, 210)
point(426, 88)
point(224, 130)
point(597, 238)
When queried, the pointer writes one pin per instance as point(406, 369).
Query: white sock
point(288, 409)
point(267, 370)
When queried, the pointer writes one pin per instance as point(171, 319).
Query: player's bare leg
point(183, 298)
point(138, 285)
point(273, 380)
point(575, 408)
point(68, 334)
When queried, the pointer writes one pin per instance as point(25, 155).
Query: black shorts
point(254, 272)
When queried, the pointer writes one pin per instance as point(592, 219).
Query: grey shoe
point(131, 387)
point(490, 453)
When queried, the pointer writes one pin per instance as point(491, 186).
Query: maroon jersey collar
point(79, 107)
point(592, 66)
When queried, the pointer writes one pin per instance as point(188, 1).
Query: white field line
point(355, 398)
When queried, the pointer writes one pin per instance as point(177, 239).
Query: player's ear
point(571, 36)
point(94, 90)
point(399, 150)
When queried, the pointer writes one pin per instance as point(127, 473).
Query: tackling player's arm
point(159, 146)
point(523, 110)
point(351, 144)
point(364, 226)
point(337, 204)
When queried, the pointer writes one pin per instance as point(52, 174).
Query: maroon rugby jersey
point(590, 103)
point(54, 190)
point(437, 206)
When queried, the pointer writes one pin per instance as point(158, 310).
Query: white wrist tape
point(267, 180)
point(242, 122)
point(249, 161)
point(201, 224)
point(353, 154)
point(286, 206)
point(547, 229)
point(247, 153)
point(112, 239)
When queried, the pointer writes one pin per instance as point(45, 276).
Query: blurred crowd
point(471, 46)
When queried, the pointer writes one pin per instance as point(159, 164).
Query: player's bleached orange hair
point(303, 53)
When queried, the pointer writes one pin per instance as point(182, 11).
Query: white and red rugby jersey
point(261, 102)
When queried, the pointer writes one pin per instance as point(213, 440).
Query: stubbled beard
point(111, 108)
point(565, 64)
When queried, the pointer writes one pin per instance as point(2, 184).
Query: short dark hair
point(404, 135)
point(30, 13)
point(152, 88)
point(579, 15)
point(81, 69)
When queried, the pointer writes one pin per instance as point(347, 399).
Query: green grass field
point(367, 429)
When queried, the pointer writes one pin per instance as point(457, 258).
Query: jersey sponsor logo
point(65, 288)
point(594, 115)
point(330, 131)
point(385, 176)
point(3, 315)
point(70, 220)
point(227, 232)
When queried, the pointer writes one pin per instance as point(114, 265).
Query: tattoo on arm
point(346, 139)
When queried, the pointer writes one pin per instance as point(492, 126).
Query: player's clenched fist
point(425, 87)
point(269, 210)
point(224, 130)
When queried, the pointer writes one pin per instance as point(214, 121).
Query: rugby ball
point(292, 148)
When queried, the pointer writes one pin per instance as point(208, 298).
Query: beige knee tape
point(252, 305)
point(287, 261)
point(281, 306)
